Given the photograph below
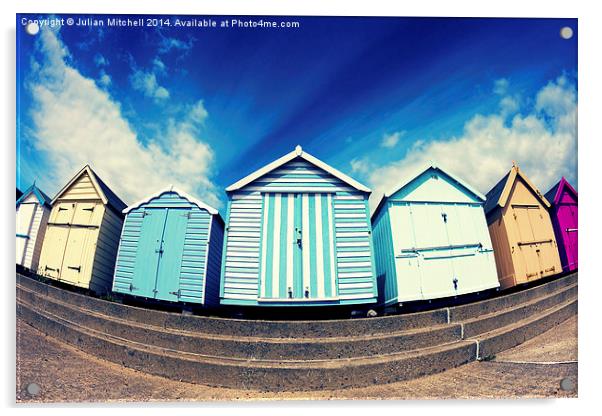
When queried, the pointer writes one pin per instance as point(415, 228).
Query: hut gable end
point(81, 188)
point(434, 185)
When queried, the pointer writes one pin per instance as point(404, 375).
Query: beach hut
point(170, 249)
point(298, 234)
point(521, 230)
point(563, 198)
point(81, 240)
point(431, 239)
point(33, 210)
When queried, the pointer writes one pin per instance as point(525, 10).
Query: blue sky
point(373, 97)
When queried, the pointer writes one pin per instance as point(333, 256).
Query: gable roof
point(436, 166)
point(171, 188)
point(107, 196)
point(298, 152)
point(499, 194)
point(553, 195)
point(416, 173)
point(43, 199)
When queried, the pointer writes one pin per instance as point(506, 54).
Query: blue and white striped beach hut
point(298, 234)
point(170, 249)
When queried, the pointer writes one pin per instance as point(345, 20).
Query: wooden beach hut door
point(81, 241)
point(297, 251)
point(159, 254)
point(567, 214)
point(535, 244)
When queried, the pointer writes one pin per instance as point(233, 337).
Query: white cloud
point(543, 142)
point(76, 122)
point(360, 165)
point(104, 79)
point(167, 44)
point(159, 66)
point(146, 82)
point(198, 113)
point(500, 86)
point(390, 140)
point(100, 60)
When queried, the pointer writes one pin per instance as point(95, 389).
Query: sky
point(201, 108)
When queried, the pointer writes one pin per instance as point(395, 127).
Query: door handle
point(46, 268)
point(78, 268)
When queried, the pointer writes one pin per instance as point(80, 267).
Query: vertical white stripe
point(264, 239)
point(290, 241)
point(319, 247)
point(276, 250)
point(333, 259)
point(305, 241)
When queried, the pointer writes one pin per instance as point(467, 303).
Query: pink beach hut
point(563, 212)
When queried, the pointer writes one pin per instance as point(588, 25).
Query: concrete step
point(279, 375)
point(246, 347)
point(492, 342)
point(509, 300)
point(295, 329)
point(360, 345)
point(241, 327)
point(263, 375)
point(501, 318)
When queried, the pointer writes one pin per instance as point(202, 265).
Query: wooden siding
point(529, 235)
point(81, 238)
point(32, 218)
point(214, 262)
point(384, 262)
point(81, 189)
point(106, 252)
point(196, 256)
point(440, 241)
point(337, 236)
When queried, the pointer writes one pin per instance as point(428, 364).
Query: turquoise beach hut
point(170, 249)
point(431, 239)
point(298, 234)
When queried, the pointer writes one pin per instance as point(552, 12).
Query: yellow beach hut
point(81, 241)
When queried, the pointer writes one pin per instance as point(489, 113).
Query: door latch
point(132, 287)
point(46, 268)
point(455, 282)
point(444, 215)
point(299, 238)
point(175, 293)
point(78, 268)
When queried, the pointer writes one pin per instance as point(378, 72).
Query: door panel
point(79, 255)
point(539, 224)
point(429, 225)
point(53, 251)
point(437, 274)
point(409, 282)
point(87, 214)
point(147, 254)
point(62, 213)
point(170, 256)
point(297, 246)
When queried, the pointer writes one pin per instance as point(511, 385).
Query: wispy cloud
point(389, 140)
point(542, 139)
point(100, 60)
point(168, 44)
point(146, 82)
point(500, 86)
point(75, 122)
